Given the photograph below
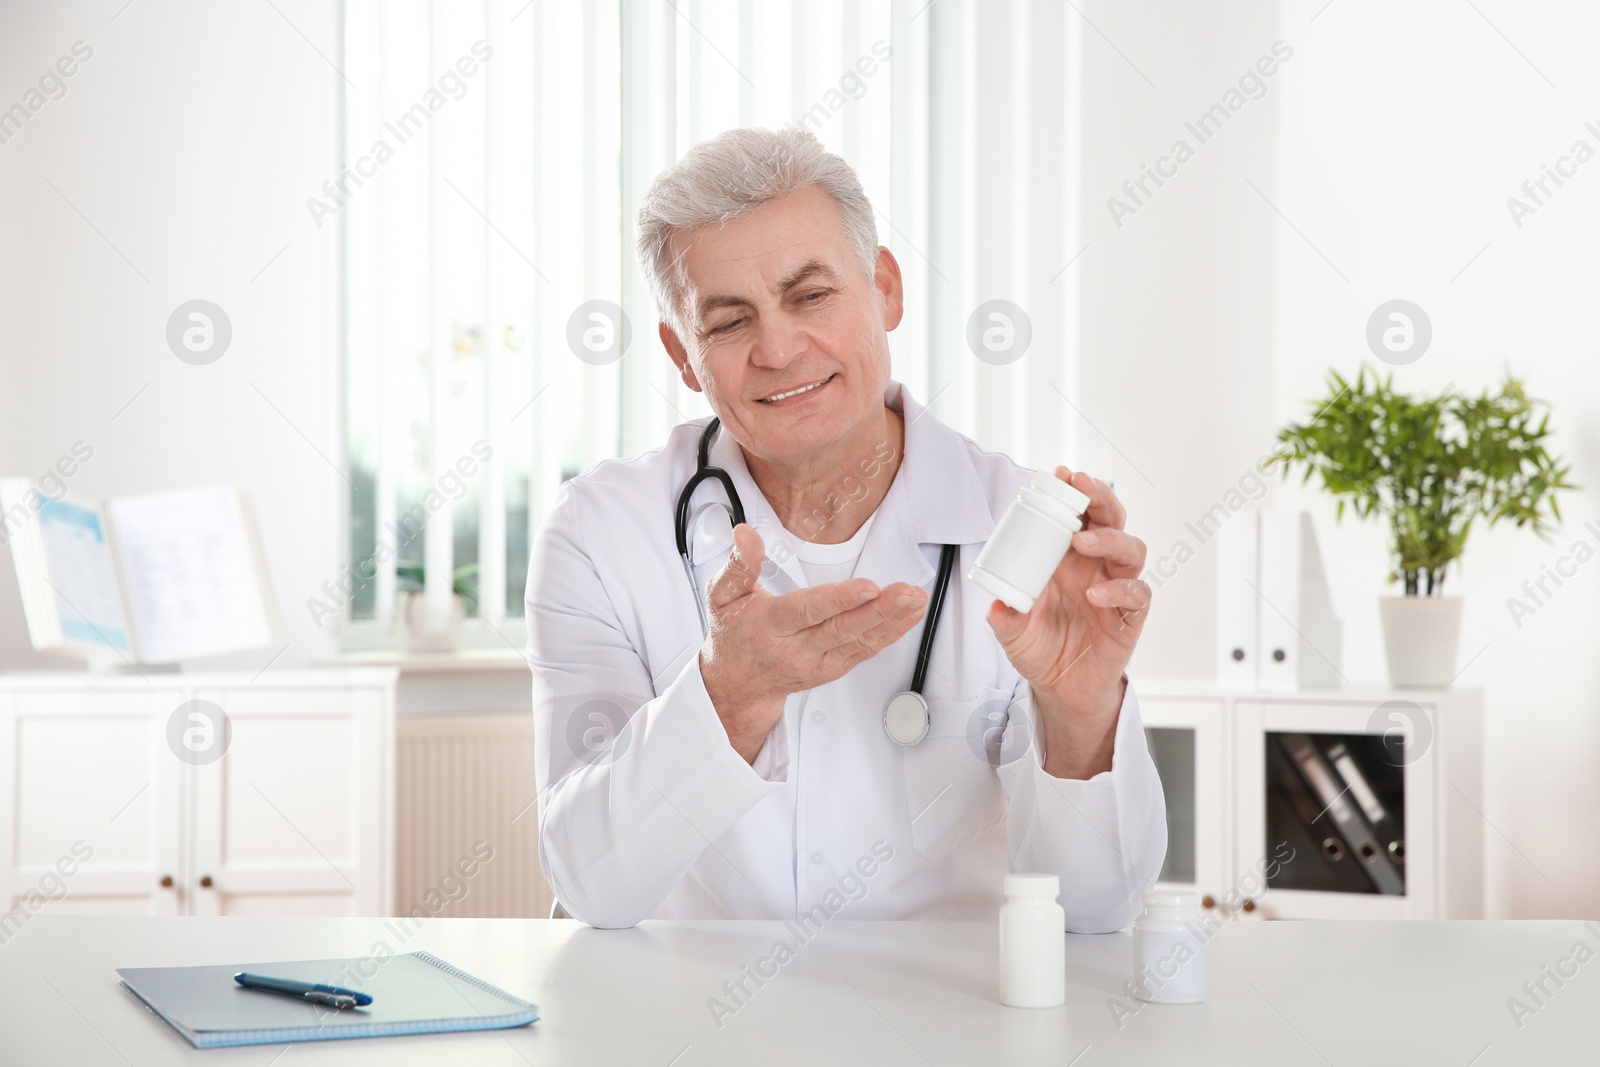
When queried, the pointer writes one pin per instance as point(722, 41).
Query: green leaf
point(1431, 466)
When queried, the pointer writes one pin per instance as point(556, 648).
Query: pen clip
point(339, 1001)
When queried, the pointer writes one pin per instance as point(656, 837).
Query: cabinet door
point(291, 819)
point(1186, 739)
point(89, 818)
point(1412, 765)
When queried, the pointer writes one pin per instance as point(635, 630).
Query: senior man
point(715, 746)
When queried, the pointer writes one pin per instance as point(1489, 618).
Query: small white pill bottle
point(1033, 943)
point(1169, 949)
point(1029, 541)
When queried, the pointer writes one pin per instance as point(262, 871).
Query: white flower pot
point(414, 635)
point(1420, 635)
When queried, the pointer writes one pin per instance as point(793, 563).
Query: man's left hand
point(1074, 644)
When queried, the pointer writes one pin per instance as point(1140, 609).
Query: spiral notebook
point(413, 993)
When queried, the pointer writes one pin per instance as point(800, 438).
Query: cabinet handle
point(1208, 902)
point(205, 881)
point(166, 881)
point(1248, 905)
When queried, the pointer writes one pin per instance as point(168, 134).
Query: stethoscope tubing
point(704, 471)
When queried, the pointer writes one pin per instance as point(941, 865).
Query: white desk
point(869, 993)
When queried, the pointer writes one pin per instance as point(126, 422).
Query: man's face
point(778, 303)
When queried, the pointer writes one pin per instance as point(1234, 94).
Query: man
point(743, 770)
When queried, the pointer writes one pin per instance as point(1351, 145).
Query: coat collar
point(936, 499)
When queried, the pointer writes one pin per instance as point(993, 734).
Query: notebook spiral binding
point(456, 972)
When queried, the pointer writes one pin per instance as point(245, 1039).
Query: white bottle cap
point(1047, 482)
point(1171, 903)
point(1046, 886)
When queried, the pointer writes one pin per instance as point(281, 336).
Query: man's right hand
point(761, 647)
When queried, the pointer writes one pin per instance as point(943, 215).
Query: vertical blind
point(496, 153)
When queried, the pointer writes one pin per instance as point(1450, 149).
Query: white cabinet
point(1189, 741)
point(1211, 747)
point(108, 805)
point(90, 780)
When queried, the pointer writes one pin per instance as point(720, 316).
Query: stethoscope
point(905, 717)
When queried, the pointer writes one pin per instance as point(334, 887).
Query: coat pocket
point(953, 794)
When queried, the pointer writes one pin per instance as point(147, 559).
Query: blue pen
point(331, 995)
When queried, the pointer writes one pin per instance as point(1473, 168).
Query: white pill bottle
point(1169, 949)
point(1029, 541)
point(1033, 943)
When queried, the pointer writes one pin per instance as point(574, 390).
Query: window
point(499, 336)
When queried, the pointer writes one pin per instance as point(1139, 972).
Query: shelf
point(1206, 688)
point(1210, 749)
point(466, 661)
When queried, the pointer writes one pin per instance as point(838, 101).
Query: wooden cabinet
point(1210, 747)
point(111, 803)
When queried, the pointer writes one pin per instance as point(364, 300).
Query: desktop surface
point(881, 993)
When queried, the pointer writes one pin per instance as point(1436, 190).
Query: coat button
point(817, 716)
point(816, 857)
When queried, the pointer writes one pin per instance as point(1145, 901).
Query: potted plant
point(1432, 466)
point(412, 579)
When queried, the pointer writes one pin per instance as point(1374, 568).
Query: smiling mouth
point(775, 397)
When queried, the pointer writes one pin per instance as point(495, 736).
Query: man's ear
point(886, 279)
point(679, 356)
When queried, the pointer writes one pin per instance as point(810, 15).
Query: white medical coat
point(646, 810)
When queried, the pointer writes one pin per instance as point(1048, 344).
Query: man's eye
point(732, 324)
point(814, 295)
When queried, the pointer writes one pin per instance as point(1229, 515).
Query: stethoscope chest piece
point(905, 719)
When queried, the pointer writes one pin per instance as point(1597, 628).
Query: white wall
point(1390, 140)
point(1177, 316)
point(190, 140)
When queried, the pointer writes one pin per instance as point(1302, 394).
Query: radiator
point(464, 790)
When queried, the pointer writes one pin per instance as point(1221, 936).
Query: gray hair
point(726, 178)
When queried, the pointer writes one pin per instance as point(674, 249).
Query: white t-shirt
point(832, 563)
